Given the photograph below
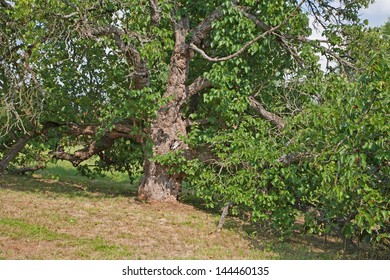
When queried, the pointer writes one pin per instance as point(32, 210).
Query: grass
point(57, 214)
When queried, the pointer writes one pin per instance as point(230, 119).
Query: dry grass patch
point(43, 218)
point(48, 219)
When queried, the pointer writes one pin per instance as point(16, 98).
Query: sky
point(377, 13)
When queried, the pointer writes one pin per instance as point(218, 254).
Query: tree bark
point(275, 119)
point(168, 128)
point(13, 152)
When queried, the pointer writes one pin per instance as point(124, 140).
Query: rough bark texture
point(155, 16)
point(169, 125)
point(13, 152)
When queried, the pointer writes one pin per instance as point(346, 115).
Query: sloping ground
point(51, 219)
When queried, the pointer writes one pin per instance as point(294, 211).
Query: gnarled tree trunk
point(169, 126)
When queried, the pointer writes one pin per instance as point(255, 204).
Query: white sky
point(377, 13)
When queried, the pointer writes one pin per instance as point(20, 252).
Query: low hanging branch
point(81, 155)
point(120, 130)
point(12, 153)
point(25, 169)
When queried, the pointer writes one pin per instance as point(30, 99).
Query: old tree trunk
point(169, 126)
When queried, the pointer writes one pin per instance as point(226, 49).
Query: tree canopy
point(224, 98)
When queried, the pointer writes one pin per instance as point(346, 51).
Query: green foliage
point(339, 179)
point(345, 143)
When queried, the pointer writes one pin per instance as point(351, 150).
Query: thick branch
point(203, 29)
point(120, 130)
point(275, 119)
point(141, 71)
point(198, 85)
point(81, 155)
point(13, 152)
point(154, 12)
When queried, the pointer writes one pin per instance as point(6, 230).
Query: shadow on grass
point(297, 246)
point(302, 246)
point(68, 185)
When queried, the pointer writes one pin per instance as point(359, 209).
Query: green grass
point(17, 228)
point(65, 170)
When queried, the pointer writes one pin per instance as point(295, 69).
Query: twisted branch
point(247, 45)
